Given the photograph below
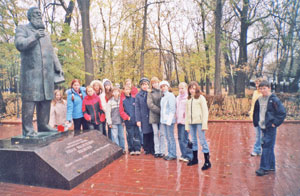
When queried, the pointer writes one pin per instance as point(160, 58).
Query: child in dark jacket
point(127, 112)
point(269, 113)
point(142, 116)
point(92, 110)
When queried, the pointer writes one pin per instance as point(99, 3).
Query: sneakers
point(167, 158)
point(161, 155)
point(261, 172)
point(132, 153)
point(183, 159)
point(253, 154)
point(137, 152)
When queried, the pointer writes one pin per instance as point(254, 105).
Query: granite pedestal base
point(62, 163)
point(42, 137)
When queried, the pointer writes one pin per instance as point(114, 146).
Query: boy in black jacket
point(127, 112)
point(269, 113)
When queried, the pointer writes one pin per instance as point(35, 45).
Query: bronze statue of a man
point(39, 64)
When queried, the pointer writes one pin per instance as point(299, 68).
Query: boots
point(207, 164)
point(194, 161)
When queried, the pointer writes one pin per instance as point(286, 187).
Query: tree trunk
point(173, 52)
point(206, 47)
point(229, 76)
point(102, 67)
point(84, 6)
point(143, 39)
point(2, 103)
point(242, 62)
point(159, 44)
point(69, 12)
point(218, 19)
point(294, 85)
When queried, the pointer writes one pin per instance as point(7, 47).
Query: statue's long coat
point(38, 64)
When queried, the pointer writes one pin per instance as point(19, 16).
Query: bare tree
point(84, 7)
point(218, 19)
point(247, 16)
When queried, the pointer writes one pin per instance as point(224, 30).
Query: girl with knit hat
point(106, 96)
point(142, 116)
point(167, 118)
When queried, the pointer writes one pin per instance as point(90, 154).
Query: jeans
point(159, 139)
point(257, 145)
point(93, 126)
point(141, 136)
point(169, 131)
point(117, 134)
point(103, 125)
point(201, 134)
point(80, 122)
point(183, 138)
point(109, 133)
point(133, 138)
point(148, 143)
point(267, 160)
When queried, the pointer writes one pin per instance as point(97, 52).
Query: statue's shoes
point(46, 128)
point(32, 134)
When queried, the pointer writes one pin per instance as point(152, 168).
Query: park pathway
point(232, 172)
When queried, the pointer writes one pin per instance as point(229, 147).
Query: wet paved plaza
point(232, 172)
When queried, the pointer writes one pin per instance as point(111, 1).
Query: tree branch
point(256, 40)
point(49, 4)
point(258, 19)
point(63, 4)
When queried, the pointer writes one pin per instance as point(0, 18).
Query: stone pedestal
point(41, 138)
point(62, 163)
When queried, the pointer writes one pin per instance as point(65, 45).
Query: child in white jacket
point(167, 118)
point(196, 121)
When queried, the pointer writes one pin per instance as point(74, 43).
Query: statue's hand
point(60, 72)
point(40, 33)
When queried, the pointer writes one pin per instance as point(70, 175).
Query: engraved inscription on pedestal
point(63, 163)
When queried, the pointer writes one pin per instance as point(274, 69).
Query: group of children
point(150, 115)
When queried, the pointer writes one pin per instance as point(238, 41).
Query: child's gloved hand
point(87, 117)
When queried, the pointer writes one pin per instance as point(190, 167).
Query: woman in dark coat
point(142, 116)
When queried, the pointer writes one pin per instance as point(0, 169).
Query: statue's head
point(34, 15)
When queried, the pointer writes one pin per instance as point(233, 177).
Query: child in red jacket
point(92, 110)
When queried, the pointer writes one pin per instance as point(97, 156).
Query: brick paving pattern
point(232, 172)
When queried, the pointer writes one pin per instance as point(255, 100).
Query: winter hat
point(97, 82)
point(106, 82)
point(164, 82)
point(144, 79)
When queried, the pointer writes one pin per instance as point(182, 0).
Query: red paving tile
point(232, 172)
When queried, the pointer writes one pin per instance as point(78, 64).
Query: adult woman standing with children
point(75, 96)
point(196, 121)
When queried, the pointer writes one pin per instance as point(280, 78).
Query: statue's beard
point(37, 23)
